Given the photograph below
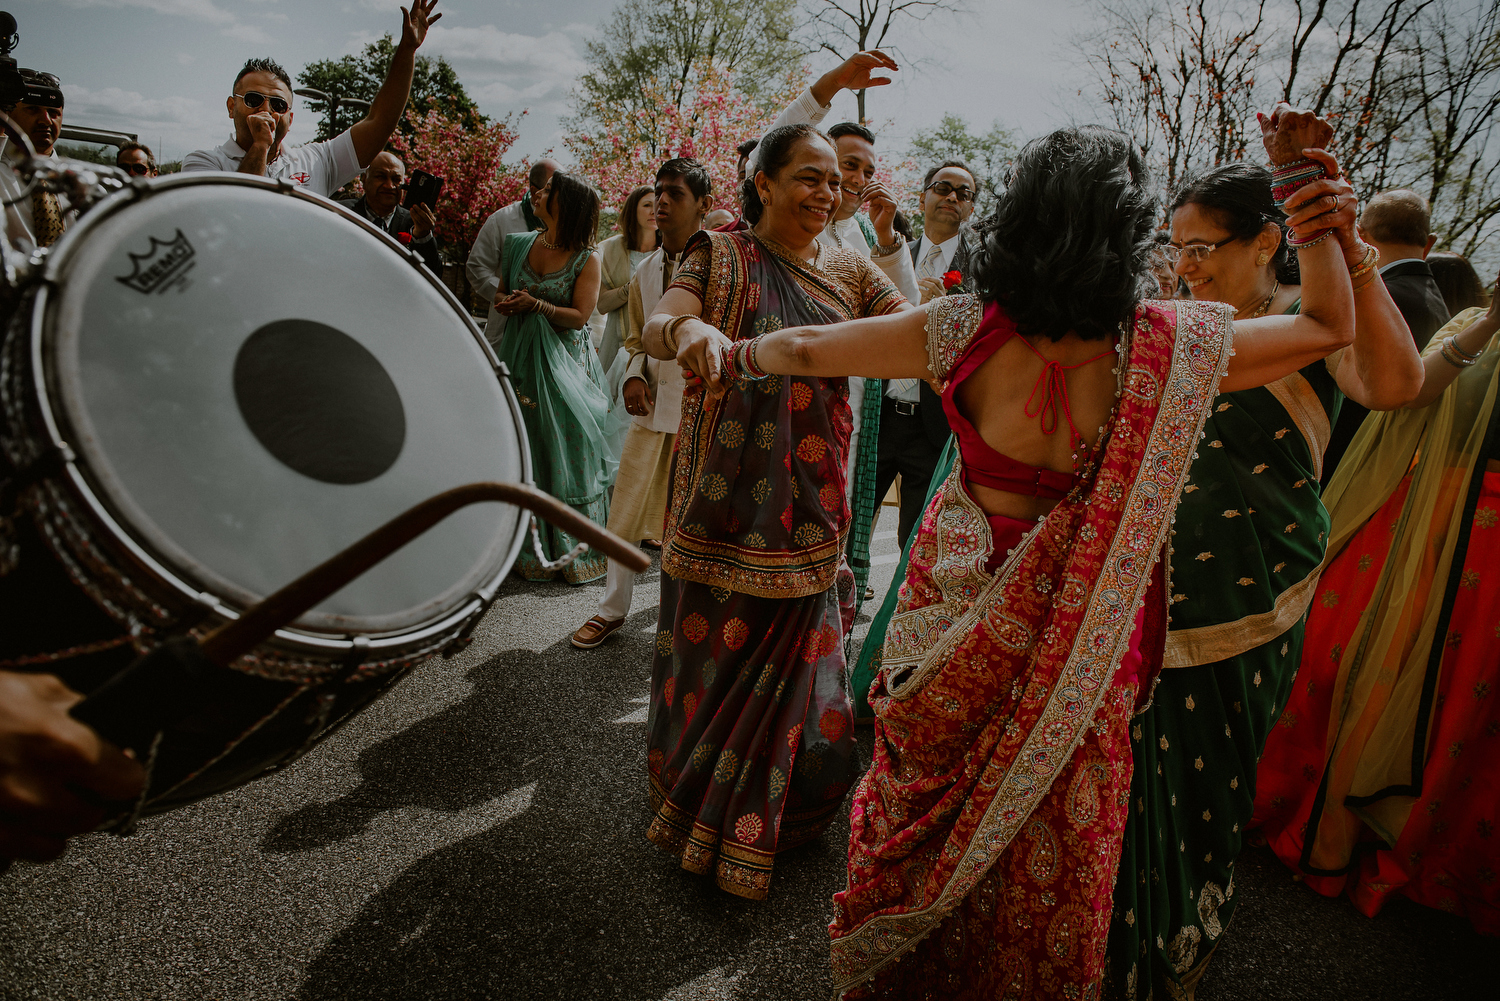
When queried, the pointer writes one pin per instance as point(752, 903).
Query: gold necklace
point(542, 239)
point(1265, 306)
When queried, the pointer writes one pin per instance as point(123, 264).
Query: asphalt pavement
point(479, 833)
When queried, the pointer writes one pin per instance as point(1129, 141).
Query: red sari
point(986, 835)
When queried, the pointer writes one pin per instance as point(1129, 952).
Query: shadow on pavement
point(567, 899)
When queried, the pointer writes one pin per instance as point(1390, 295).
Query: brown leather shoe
point(595, 631)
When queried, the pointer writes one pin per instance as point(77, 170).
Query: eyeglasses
point(254, 100)
point(1194, 253)
point(943, 189)
point(138, 169)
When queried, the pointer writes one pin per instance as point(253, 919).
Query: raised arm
point(371, 133)
point(1270, 347)
point(1441, 363)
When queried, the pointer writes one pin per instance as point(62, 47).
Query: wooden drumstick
point(234, 639)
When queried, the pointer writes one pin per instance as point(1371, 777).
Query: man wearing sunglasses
point(137, 160)
point(913, 426)
point(261, 107)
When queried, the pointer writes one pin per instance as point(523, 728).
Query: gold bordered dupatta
point(758, 501)
point(989, 700)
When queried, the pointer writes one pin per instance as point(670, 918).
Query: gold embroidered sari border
point(1301, 401)
point(883, 938)
point(1223, 640)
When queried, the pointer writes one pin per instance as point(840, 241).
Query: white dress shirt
point(321, 168)
point(484, 261)
point(1405, 260)
point(18, 219)
point(946, 250)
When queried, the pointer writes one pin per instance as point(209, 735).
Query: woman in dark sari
point(751, 746)
point(985, 836)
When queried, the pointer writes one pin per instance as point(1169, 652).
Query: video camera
point(17, 84)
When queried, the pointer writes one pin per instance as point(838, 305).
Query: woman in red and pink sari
point(986, 835)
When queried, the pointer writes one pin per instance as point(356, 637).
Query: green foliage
point(434, 87)
point(88, 153)
point(989, 155)
point(649, 43)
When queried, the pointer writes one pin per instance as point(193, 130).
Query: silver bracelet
point(1452, 354)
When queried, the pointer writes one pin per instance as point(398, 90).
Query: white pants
point(619, 586)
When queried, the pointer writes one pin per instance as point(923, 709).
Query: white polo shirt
point(321, 168)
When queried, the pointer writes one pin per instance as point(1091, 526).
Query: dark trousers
point(905, 449)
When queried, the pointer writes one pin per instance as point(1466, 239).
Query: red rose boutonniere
point(950, 279)
point(406, 238)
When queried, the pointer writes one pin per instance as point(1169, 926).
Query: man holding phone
point(385, 182)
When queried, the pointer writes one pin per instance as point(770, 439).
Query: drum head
point(252, 382)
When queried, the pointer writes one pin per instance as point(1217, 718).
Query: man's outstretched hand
point(860, 71)
point(415, 22)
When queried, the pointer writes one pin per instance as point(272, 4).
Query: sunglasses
point(254, 100)
point(138, 169)
point(943, 189)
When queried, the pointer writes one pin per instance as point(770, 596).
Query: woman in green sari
point(549, 287)
point(1248, 542)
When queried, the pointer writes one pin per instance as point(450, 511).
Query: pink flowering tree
point(621, 148)
point(475, 180)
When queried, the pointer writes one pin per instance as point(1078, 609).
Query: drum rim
point(45, 303)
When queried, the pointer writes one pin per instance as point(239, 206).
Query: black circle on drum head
point(319, 401)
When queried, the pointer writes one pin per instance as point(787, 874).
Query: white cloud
point(198, 10)
point(181, 122)
point(551, 54)
point(247, 33)
point(195, 10)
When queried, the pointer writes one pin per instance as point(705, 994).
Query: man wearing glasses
point(913, 426)
point(137, 160)
point(261, 107)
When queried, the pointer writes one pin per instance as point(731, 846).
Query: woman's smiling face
point(1229, 273)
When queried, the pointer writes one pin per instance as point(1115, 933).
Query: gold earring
point(1262, 259)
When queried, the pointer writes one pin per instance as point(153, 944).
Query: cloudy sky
point(162, 68)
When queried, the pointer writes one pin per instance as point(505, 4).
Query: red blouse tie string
point(1051, 386)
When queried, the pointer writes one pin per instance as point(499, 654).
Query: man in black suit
point(1397, 224)
point(381, 204)
point(913, 427)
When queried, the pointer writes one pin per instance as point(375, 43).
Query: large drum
point(220, 382)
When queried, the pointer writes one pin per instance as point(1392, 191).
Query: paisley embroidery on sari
point(1037, 621)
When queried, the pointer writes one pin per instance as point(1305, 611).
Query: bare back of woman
point(1033, 400)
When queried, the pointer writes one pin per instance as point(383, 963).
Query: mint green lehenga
point(564, 400)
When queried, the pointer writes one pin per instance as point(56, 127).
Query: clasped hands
point(519, 301)
point(1291, 134)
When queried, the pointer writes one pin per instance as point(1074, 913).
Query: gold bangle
point(669, 332)
point(1368, 280)
point(1367, 263)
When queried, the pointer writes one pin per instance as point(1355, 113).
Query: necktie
point(932, 262)
point(46, 217)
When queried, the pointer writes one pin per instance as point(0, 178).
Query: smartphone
point(422, 187)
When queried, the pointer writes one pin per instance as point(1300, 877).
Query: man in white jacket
point(484, 257)
point(652, 392)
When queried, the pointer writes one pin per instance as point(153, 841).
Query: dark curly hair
point(1238, 196)
point(771, 157)
point(576, 206)
point(1070, 241)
